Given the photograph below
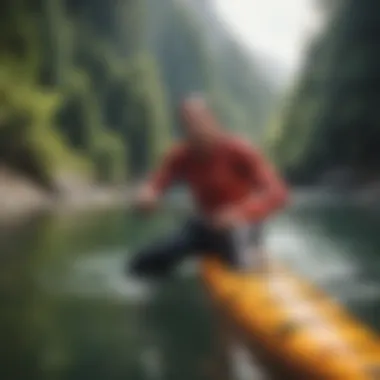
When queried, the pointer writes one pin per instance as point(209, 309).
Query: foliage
point(331, 120)
point(93, 86)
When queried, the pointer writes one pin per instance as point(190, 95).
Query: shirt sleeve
point(169, 171)
point(271, 193)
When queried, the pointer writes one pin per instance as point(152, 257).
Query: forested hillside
point(75, 93)
point(91, 86)
point(331, 120)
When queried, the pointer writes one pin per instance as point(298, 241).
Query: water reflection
point(69, 312)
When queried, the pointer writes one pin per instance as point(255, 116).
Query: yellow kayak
point(295, 330)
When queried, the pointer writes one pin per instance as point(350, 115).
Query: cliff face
point(73, 95)
point(90, 86)
point(331, 120)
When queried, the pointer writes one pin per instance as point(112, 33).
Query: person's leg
point(241, 247)
point(160, 257)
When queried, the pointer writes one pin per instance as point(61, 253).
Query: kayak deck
point(293, 326)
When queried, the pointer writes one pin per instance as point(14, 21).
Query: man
point(233, 186)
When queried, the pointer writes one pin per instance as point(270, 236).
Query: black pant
point(195, 237)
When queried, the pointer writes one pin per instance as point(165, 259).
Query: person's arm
point(169, 171)
point(271, 193)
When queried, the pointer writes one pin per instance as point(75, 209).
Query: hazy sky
point(277, 28)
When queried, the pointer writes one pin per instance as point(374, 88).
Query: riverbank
point(20, 197)
point(365, 195)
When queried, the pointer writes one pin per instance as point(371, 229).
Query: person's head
point(199, 124)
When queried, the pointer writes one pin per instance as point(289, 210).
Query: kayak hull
point(292, 328)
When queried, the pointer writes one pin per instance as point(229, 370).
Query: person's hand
point(146, 199)
point(226, 219)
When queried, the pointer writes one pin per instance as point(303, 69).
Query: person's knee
point(154, 261)
point(137, 266)
point(144, 263)
point(160, 257)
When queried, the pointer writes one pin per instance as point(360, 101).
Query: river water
point(68, 311)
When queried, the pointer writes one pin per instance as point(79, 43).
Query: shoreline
point(93, 200)
point(19, 198)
